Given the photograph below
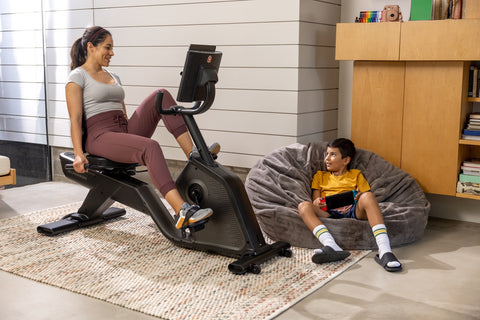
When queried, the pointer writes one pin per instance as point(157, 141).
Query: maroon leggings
point(111, 136)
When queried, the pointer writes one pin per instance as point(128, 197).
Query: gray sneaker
point(191, 214)
point(214, 149)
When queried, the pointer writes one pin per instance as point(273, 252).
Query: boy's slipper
point(329, 255)
point(386, 258)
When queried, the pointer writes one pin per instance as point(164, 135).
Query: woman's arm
point(74, 96)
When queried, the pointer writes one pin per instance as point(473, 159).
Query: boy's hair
point(346, 147)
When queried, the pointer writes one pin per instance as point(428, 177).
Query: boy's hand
point(357, 195)
point(320, 202)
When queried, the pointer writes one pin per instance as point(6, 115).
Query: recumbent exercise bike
point(231, 231)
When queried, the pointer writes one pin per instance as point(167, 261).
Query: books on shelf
point(468, 187)
point(470, 137)
point(441, 9)
point(469, 179)
point(471, 132)
point(422, 9)
point(471, 172)
point(472, 127)
point(474, 82)
point(472, 163)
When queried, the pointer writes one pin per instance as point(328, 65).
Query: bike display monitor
point(201, 68)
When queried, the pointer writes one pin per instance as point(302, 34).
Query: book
point(471, 132)
point(470, 81)
point(468, 178)
point(475, 84)
point(473, 126)
point(421, 10)
point(470, 137)
point(471, 172)
point(474, 115)
point(470, 168)
point(472, 162)
point(456, 9)
point(468, 187)
point(437, 9)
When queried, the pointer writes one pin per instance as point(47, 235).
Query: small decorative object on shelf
point(391, 13)
point(369, 16)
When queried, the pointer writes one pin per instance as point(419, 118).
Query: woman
point(95, 94)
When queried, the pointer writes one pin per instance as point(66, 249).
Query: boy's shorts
point(335, 214)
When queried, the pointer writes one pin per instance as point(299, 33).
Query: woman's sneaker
point(191, 214)
point(214, 149)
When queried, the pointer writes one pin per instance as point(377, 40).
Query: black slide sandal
point(386, 258)
point(329, 255)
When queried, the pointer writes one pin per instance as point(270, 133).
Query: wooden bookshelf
point(410, 106)
point(467, 196)
point(469, 142)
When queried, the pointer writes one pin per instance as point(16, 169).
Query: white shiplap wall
point(22, 89)
point(278, 78)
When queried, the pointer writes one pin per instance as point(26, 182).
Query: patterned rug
point(128, 262)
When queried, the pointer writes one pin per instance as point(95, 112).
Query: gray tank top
point(98, 97)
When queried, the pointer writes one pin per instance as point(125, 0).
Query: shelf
point(473, 99)
point(469, 142)
point(467, 196)
point(433, 40)
point(440, 40)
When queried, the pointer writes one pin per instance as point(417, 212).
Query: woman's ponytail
point(77, 54)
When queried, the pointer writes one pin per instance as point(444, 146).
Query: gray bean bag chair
point(281, 180)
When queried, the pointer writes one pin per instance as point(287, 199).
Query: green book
point(468, 178)
point(421, 10)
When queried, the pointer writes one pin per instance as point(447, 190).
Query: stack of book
point(469, 179)
point(472, 127)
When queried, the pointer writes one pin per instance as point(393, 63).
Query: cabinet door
point(433, 98)
point(377, 107)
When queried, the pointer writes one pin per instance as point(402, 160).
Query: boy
point(340, 178)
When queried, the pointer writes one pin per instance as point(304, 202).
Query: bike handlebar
point(197, 108)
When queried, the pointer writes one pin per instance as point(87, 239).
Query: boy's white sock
point(383, 243)
point(325, 237)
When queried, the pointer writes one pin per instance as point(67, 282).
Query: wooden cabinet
point(410, 106)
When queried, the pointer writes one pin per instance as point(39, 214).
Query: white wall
point(22, 89)
point(278, 78)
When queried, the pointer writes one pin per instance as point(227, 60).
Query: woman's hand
point(79, 163)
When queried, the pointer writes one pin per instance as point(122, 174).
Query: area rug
point(128, 262)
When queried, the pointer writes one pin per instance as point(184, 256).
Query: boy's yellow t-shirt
point(328, 184)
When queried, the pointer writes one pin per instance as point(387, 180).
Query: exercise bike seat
point(104, 164)
point(96, 162)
